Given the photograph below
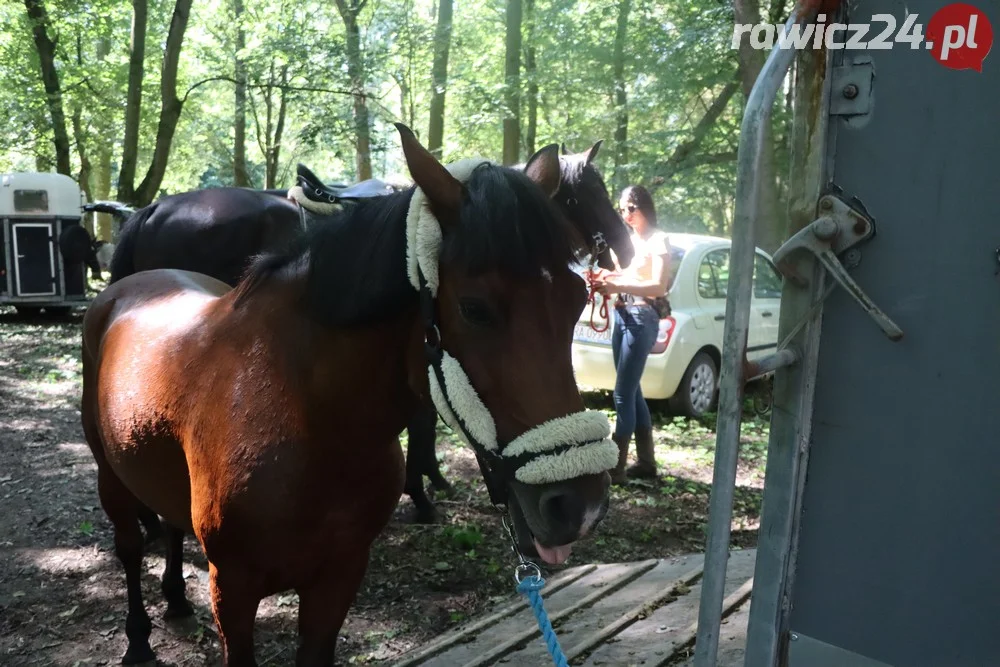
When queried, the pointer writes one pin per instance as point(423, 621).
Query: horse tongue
point(554, 555)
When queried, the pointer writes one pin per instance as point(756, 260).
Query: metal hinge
point(851, 92)
point(840, 225)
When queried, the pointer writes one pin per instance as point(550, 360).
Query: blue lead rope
point(530, 587)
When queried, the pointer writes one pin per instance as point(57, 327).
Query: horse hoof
point(136, 655)
point(178, 610)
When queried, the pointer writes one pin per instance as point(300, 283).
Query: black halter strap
point(496, 472)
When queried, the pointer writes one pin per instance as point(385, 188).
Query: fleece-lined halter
point(560, 449)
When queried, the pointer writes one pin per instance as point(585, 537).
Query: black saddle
point(315, 190)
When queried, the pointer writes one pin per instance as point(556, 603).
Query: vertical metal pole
point(731, 381)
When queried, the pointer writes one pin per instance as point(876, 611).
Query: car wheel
point(695, 395)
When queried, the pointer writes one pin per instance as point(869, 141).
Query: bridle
point(562, 448)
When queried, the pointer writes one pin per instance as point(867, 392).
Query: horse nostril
point(561, 508)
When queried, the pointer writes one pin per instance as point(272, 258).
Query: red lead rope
point(592, 300)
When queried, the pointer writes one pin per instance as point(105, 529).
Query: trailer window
point(31, 201)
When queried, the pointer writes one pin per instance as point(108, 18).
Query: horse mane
point(355, 263)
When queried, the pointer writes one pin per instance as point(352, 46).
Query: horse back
point(216, 231)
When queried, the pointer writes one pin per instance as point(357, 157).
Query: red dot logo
point(960, 36)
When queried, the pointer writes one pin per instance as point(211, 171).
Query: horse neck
point(363, 371)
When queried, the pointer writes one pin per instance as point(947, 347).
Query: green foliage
point(677, 61)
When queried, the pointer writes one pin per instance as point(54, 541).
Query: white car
point(685, 360)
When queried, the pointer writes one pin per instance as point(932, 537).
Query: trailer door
point(34, 259)
point(892, 556)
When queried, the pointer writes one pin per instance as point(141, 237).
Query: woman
point(642, 289)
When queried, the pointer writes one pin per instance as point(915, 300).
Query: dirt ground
point(62, 592)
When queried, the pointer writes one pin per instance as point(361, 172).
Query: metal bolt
point(850, 91)
point(794, 637)
point(825, 228)
point(825, 204)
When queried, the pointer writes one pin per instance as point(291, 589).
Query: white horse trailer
point(38, 213)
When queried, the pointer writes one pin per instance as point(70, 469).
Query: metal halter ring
point(437, 335)
point(526, 567)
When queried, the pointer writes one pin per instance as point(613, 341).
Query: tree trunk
point(240, 177)
point(102, 190)
point(512, 88)
point(46, 48)
point(81, 148)
point(356, 71)
point(170, 109)
point(80, 137)
point(619, 176)
point(133, 102)
point(771, 219)
point(274, 152)
point(531, 72)
point(439, 78)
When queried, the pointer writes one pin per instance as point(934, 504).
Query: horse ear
point(592, 153)
point(543, 168)
point(564, 151)
point(444, 191)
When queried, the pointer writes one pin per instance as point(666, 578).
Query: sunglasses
point(630, 208)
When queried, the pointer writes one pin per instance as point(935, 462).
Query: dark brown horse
point(265, 419)
point(218, 231)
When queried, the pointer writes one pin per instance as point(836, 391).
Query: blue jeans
point(632, 339)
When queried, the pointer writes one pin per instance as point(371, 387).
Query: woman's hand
point(606, 285)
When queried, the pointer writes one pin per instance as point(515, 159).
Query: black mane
point(356, 262)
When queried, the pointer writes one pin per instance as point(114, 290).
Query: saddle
point(315, 191)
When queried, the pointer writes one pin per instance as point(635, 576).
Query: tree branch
point(284, 87)
point(684, 153)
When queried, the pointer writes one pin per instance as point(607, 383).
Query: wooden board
point(641, 613)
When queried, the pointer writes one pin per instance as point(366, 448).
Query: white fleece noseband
point(560, 449)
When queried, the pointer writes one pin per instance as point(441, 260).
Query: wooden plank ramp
point(641, 613)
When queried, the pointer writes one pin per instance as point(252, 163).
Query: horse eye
point(477, 313)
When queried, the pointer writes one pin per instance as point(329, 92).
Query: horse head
point(584, 196)
point(77, 246)
point(491, 257)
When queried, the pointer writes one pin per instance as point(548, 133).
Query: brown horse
point(244, 415)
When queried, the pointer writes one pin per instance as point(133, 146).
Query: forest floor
point(62, 592)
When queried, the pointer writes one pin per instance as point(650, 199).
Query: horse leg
point(234, 604)
point(427, 441)
point(322, 610)
point(151, 521)
point(420, 438)
point(172, 585)
point(122, 510)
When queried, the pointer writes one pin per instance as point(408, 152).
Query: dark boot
point(618, 474)
point(646, 467)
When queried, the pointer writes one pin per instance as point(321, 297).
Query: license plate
point(584, 333)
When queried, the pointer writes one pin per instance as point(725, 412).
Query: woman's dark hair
point(638, 196)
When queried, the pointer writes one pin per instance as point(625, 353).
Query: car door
point(762, 338)
point(713, 284)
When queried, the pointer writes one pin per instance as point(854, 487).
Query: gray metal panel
point(804, 651)
point(900, 524)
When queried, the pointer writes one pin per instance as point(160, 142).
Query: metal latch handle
point(839, 227)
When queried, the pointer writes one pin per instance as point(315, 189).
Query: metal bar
point(770, 363)
point(732, 381)
point(799, 326)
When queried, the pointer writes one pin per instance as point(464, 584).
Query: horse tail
point(123, 261)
